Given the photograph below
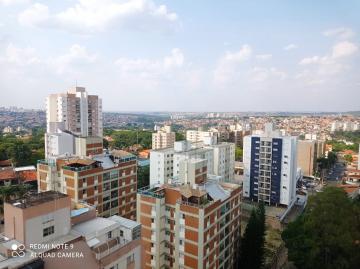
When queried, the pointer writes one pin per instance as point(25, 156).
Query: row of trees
point(327, 234)
point(127, 138)
point(327, 162)
point(23, 151)
point(12, 192)
point(252, 242)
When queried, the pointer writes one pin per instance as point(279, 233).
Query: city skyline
point(198, 57)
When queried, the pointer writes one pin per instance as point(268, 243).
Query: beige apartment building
point(75, 111)
point(108, 181)
point(164, 138)
point(192, 224)
point(308, 151)
point(48, 231)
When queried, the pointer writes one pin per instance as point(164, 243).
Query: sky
point(188, 55)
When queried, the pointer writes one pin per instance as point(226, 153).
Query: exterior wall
point(224, 161)
point(60, 262)
point(270, 165)
point(127, 257)
point(112, 191)
point(59, 144)
point(161, 166)
point(161, 140)
point(306, 156)
point(193, 237)
point(201, 153)
point(34, 227)
point(20, 222)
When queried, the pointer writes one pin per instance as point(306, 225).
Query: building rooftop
point(128, 223)
point(94, 225)
point(7, 173)
point(37, 199)
point(105, 161)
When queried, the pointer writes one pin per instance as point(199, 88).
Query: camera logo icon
point(18, 250)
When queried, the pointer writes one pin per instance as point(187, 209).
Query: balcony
point(109, 247)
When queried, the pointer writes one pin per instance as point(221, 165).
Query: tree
point(252, 243)
point(9, 192)
point(143, 176)
point(238, 154)
point(348, 158)
point(179, 136)
point(327, 234)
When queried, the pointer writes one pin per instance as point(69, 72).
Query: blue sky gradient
point(145, 55)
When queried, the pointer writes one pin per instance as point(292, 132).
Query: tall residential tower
point(270, 167)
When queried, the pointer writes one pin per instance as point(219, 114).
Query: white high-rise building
point(165, 163)
point(163, 138)
point(75, 111)
point(270, 165)
point(69, 115)
point(161, 165)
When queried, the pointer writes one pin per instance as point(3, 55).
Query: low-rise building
point(47, 231)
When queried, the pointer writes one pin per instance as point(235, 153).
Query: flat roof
point(93, 225)
point(128, 223)
point(37, 199)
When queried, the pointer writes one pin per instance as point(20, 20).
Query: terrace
point(152, 191)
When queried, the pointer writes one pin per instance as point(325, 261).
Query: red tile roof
point(27, 176)
point(5, 163)
point(6, 174)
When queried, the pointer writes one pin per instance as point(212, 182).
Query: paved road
point(335, 175)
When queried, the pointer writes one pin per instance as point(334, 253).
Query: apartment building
point(185, 151)
point(48, 231)
point(165, 163)
point(190, 225)
point(69, 115)
point(75, 111)
point(163, 138)
point(107, 181)
point(161, 165)
point(307, 153)
point(270, 167)
point(206, 137)
point(224, 160)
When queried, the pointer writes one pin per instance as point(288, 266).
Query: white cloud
point(290, 47)
point(260, 74)
point(344, 49)
point(229, 63)
point(88, 16)
point(20, 56)
point(37, 14)
point(341, 32)
point(148, 67)
point(340, 50)
point(77, 55)
point(321, 69)
point(12, 2)
point(263, 57)
point(310, 60)
point(243, 54)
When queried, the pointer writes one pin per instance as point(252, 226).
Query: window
point(130, 259)
point(48, 231)
point(84, 191)
point(121, 233)
point(109, 234)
